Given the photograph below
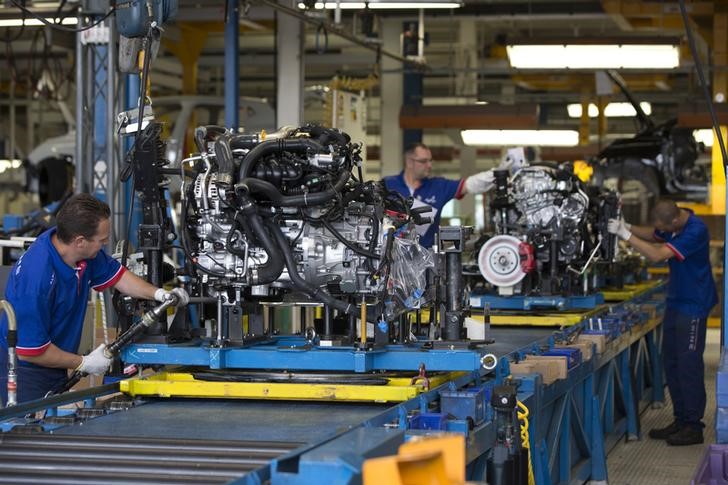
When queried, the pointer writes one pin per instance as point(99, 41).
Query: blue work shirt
point(49, 297)
point(691, 289)
point(434, 192)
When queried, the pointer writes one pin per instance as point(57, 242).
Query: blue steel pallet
point(495, 302)
point(295, 353)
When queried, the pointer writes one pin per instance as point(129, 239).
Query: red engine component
point(528, 260)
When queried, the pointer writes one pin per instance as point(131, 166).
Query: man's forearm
point(652, 251)
point(54, 357)
point(642, 232)
point(132, 285)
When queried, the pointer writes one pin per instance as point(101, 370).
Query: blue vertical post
point(99, 141)
point(633, 431)
point(232, 71)
point(412, 82)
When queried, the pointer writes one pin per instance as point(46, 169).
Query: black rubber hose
point(245, 141)
point(274, 146)
point(326, 136)
point(271, 270)
point(257, 186)
point(224, 157)
point(202, 132)
point(314, 292)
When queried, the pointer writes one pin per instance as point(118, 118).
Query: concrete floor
point(653, 462)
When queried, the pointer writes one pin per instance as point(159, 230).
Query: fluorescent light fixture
point(31, 22)
point(382, 5)
point(613, 110)
point(705, 136)
point(544, 138)
point(403, 5)
point(594, 56)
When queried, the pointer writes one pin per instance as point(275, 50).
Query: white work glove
point(162, 295)
point(480, 182)
point(95, 363)
point(506, 164)
point(620, 228)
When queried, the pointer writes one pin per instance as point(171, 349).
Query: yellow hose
point(523, 417)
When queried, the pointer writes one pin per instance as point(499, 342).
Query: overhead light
point(403, 5)
point(544, 138)
point(333, 5)
point(30, 22)
point(704, 136)
point(613, 110)
point(382, 5)
point(594, 56)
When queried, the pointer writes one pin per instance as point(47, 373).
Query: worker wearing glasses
point(434, 192)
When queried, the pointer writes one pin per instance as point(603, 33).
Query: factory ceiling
point(465, 51)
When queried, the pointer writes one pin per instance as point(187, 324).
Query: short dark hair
point(409, 150)
point(665, 211)
point(80, 216)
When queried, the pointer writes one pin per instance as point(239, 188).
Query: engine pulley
point(499, 261)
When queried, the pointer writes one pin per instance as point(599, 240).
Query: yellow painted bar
point(179, 384)
point(629, 291)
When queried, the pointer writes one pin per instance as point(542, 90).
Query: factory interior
point(365, 242)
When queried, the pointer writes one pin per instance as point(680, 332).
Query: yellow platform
point(566, 318)
point(182, 384)
point(629, 291)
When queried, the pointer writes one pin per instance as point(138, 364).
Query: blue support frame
point(560, 303)
point(296, 353)
point(572, 420)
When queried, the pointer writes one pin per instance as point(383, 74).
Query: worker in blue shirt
point(49, 288)
point(434, 192)
point(680, 238)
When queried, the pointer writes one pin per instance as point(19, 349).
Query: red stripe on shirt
point(111, 281)
point(460, 192)
point(32, 351)
point(678, 254)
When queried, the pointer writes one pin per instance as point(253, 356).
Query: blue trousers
point(33, 382)
point(683, 343)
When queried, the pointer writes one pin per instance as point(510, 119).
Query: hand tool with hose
point(121, 341)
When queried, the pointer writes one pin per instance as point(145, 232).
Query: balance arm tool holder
point(12, 338)
point(121, 341)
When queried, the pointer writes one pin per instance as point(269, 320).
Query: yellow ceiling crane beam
point(643, 15)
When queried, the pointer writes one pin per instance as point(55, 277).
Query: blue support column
point(633, 426)
point(133, 85)
point(99, 142)
point(598, 454)
point(232, 70)
point(412, 82)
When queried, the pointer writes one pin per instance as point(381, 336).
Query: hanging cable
point(704, 84)
point(54, 25)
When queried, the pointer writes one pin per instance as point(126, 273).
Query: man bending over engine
point(434, 192)
point(680, 238)
point(49, 288)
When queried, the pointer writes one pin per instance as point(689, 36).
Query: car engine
point(550, 232)
point(288, 217)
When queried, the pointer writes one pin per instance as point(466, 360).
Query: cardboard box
point(550, 368)
point(599, 340)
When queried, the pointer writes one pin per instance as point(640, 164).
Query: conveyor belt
point(57, 459)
